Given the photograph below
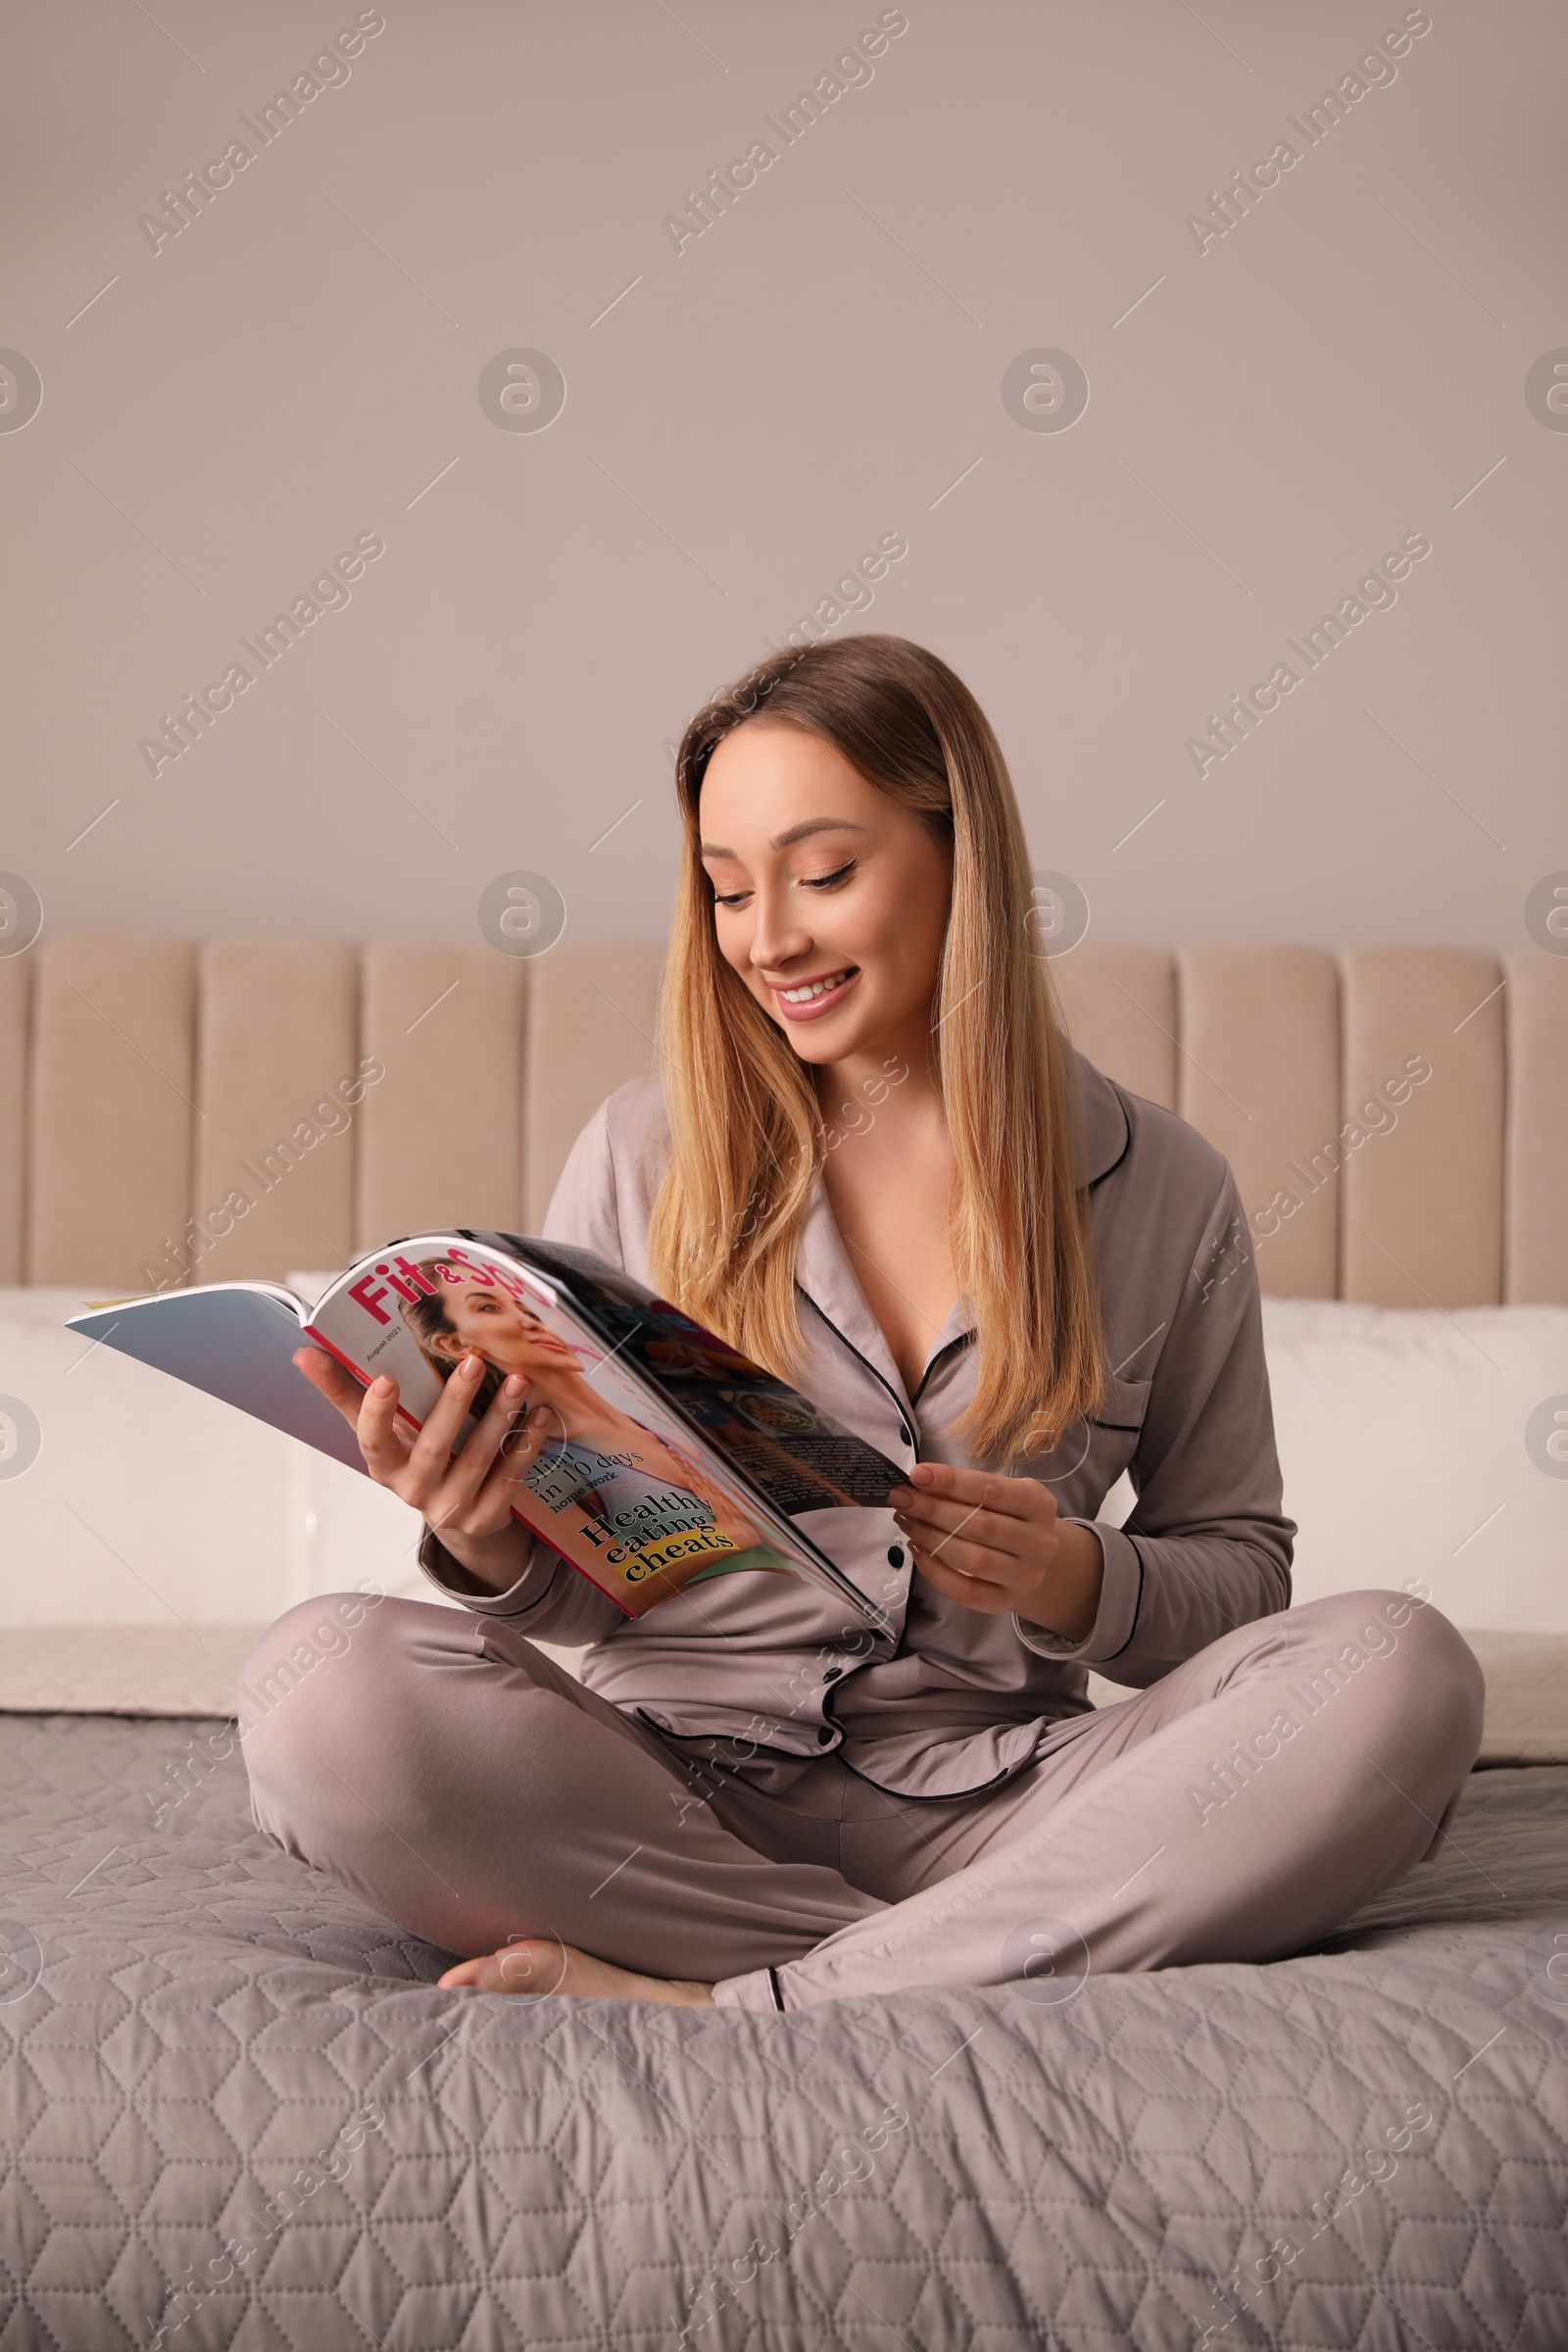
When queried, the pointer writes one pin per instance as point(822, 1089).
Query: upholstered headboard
point(1397, 1118)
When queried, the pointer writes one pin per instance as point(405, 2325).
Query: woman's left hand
point(997, 1544)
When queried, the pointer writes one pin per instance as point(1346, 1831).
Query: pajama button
point(832, 1674)
point(895, 1555)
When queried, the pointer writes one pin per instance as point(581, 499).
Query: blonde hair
point(747, 1126)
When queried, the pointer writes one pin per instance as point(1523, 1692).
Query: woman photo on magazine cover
point(872, 1160)
point(576, 1453)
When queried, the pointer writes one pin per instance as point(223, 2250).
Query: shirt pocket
point(1126, 1402)
point(1115, 1433)
point(1093, 1454)
point(1113, 1437)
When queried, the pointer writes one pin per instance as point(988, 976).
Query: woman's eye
point(731, 898)
point(827, 881)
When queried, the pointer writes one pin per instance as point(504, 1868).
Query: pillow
point(128, 1498)
point(146, 1503)
point(122, 1669)
point(1401, 1439)
point(1414, 1447)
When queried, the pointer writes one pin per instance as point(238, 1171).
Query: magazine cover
point(665, 1458)
point(801, 1458)
point(617, 1486)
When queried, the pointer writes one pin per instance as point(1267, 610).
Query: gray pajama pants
point(463, 1785)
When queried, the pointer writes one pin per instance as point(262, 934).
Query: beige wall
point(814, 372)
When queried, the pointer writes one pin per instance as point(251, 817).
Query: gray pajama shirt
point(746, 1786)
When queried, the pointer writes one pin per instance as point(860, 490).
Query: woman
point(1016, 1280)
point(580, 1454)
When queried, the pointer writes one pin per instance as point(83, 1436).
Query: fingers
point(335, 1382)
point(422, 1469)
point(1005, 1514)
point(490, 1434)
point(942, 1525)
point(976, 1535)
point(432, 1448)
point(383, 1443)
point(473, 1494)
point(975, 1562)
point(951, 1529)
point(530, 1435)
point(989, 1594)
point(948, 1483)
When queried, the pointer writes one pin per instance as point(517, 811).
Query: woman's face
point(829, 899)
point(487, 1322)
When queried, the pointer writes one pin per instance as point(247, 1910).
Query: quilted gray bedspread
point(238, 2112)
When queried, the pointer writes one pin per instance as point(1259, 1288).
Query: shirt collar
point(825, 1271)
point(825, 1268)
point(1104, 1132)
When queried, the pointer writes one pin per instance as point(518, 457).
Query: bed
point(237, 2111)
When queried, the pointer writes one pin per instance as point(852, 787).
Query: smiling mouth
point(806, 992)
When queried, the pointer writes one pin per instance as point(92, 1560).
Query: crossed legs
point(452, 1777)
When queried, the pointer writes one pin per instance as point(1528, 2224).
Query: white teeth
point(812, 989)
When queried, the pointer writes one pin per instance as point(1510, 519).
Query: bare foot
point(542, 1964)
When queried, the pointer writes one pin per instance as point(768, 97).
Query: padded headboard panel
point(1397, 1118)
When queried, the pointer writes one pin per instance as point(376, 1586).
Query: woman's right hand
point(467, 1497)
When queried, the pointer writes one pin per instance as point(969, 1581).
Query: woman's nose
point(779, 935)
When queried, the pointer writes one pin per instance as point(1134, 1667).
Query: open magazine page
point(622, 1487)
point(802, 1459)
point(236, 1341)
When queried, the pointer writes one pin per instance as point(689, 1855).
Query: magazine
point(668, 1458)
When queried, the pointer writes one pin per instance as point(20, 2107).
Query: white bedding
point(1403, 1441)
point(1401, 1438)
